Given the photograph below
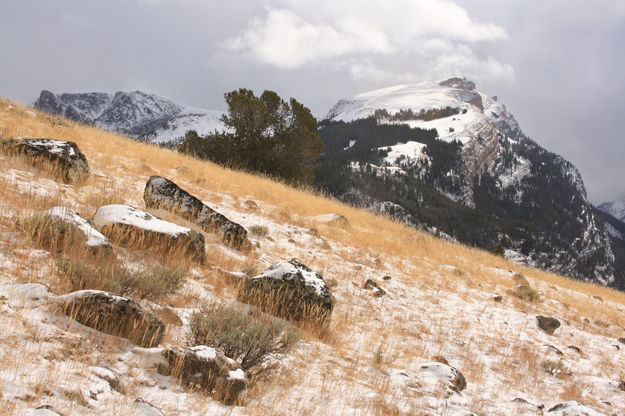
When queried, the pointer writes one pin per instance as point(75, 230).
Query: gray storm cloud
point(558, 65)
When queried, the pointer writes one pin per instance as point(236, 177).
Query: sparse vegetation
point(248, 338)
point(152, 284)
point(259, 230)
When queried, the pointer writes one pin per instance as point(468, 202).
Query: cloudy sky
point(559, 65)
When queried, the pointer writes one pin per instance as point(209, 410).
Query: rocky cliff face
point(135, 114)
point(504, 188)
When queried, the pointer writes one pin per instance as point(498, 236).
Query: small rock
point(144, 408)
point(621, 340)
point(303, 294)
point(109, 376)
point(63, 159)
point(573, 408)
point(249, 204)
point(386, 278)
point(378, 291)
point(336, 220)
point(498, 298)
point(115, 315)
point(209, 369)
point(547, 324)
point(440, 359)
point(445, 372)
point(574, 348)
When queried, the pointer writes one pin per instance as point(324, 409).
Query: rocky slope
point(447, 146)
point(419, 325)
point(134, 114)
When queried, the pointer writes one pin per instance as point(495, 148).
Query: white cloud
point(366, 36)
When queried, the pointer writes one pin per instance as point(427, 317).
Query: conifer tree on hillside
point(266, 135)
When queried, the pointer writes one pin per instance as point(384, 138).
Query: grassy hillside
point(440, 301)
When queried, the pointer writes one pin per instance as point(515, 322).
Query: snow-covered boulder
point(45, 410)
point(94, 240)
point(131, 227)
point(549, 325)
point(165, 194)
point(115, 315)
point(333, 219)
point(573, 408)
point(207, 368)
point(63, 159)
point(292, 291)
point(445, 373)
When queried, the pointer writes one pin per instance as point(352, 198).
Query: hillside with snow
point(134, 114)
point(419, 325)
point(447, 144)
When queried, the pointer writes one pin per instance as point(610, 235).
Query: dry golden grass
point(373, 242)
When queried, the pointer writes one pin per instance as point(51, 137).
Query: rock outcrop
point(209, 369)
point(94, 241)
point(292, 291)
point(114, 315)
point(549, 325)
point(130, 227)
point(161, 193)
point(62, 159)
point(446, 373)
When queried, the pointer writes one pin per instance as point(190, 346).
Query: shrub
point(259, 230)
point(152, 284)
point(555, 368)
point(246, 338)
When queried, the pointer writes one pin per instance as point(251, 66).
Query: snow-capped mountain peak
point(135, 114)
point(616, 208)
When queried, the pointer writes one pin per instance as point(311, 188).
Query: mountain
point(615, 208)
point(134, 114)
point(449, 158)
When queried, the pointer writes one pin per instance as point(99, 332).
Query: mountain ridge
point(492, 167)
point(135, 114)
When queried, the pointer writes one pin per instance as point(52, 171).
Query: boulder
point(549, 325)
point(573, 408)
point(61, 158)
point(445, 373)
point(209, 369)
point(292, 291)
point(115, 315)
point(336, 220)
point(94, 241)
point(130, 227)
point(161, 193)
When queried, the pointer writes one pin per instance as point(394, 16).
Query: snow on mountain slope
point(135, 114)
point(475, 108)
point(498, 170)
point(615, 208)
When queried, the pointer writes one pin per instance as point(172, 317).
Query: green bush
point(246, 338)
